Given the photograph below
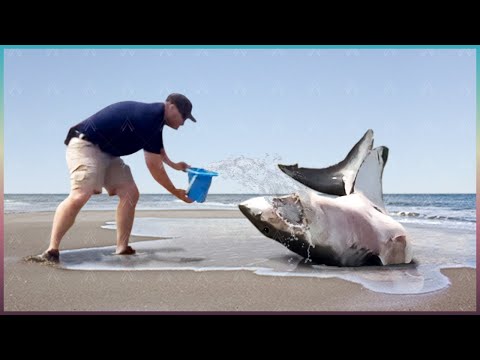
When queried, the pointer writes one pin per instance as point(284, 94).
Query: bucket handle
point(191, 182)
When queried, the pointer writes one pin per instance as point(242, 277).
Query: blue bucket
point(199, 181)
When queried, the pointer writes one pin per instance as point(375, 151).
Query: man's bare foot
point(49, 257)
point(127, 251)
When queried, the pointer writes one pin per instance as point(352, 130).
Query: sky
point(255, 108)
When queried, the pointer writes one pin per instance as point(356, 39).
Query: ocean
point(453, 211)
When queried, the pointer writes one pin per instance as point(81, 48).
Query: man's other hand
point(182, 195)
point(181, 166)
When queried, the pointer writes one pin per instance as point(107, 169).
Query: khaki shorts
point(91, 169)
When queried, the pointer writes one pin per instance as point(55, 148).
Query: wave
point(431, 217)
point(221, 204)
point(20, 203)
point(406, 213)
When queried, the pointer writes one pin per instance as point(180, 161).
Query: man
point(94, 148)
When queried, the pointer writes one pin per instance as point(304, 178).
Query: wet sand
point(41, 288)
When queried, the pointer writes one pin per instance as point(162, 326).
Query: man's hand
point(181, 166)
point(182, 195)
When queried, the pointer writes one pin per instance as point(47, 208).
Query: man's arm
point(177, 166)
point(155, 165)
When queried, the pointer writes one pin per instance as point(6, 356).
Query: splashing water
point(258, 175)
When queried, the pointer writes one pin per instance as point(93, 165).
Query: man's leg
point(87, 165)
point(119, 181)
point(65, 215)
point(128, 195)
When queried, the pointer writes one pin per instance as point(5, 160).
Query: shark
point(351, 227)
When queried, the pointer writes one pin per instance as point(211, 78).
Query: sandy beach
point(35, 287)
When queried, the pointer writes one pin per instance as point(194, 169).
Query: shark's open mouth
point(290, 210)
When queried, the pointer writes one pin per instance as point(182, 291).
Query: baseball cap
point(183, 105)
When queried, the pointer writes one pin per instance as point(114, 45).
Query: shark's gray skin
point(351, 230)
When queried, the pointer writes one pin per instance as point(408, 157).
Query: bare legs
point(69, 208)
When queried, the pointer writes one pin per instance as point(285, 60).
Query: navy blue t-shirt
point(125, 127)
